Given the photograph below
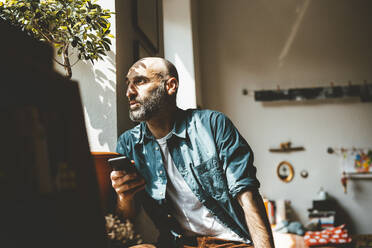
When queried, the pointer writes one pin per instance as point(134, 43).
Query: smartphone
point(121, 163)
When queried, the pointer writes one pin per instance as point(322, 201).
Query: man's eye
point(139, 81)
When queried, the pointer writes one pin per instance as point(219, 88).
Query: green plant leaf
point(60, 50)
point(82, 23)
point(107, 47)
point(107, 40)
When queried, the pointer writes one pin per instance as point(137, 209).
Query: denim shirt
point(210, 154)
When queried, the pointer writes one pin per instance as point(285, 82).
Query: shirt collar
point(179, 127)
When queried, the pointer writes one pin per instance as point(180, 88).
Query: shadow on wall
point(98, 91)
point(342, 216)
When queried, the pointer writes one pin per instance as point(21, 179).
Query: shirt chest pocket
point(211, 177)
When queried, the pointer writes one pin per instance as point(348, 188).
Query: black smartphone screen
point(121, 163)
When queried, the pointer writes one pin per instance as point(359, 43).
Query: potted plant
point(80, 26)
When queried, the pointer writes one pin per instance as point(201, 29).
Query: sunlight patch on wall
point(296, 25)
point(94, 135)
point(178, 48)
point(186, 97)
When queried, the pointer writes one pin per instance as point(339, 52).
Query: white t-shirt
point(192, 215)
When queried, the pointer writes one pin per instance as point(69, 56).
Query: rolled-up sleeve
point(235, 155)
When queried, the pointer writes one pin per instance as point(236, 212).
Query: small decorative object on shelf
point(356, 163)
point(287, 147)
point(344, 181)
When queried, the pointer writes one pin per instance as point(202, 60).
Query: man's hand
point(126, 186)
point(256, 218)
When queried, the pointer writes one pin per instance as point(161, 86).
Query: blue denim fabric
point(213, 158)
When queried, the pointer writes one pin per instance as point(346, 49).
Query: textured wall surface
point(260, 44)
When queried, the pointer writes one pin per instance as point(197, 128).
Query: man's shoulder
point(131, 134)
point(204, 113)
point(205, 116)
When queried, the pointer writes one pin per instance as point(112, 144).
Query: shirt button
point(160, 172)
point(156, 148)
point(169, 216)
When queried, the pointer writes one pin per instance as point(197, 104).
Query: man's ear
point(172, 86)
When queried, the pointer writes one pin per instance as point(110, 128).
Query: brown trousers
point(211, 242)
point(207, 242)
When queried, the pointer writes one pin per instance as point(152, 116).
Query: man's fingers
point(130, 177)
point(127, 184)
point(139, 188)
point(118, 178)
point(126, 178)
point(114, 175)
point(131, 187)
point(122, 175)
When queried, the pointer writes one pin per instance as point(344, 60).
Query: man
point(200, 184)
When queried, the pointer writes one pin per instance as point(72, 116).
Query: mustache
point(136, 99)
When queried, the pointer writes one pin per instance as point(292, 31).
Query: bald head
point(153, 67)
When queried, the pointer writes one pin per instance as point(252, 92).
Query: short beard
point(151, 105)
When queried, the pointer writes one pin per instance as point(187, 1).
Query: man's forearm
point(256, 218)
point(126, 207)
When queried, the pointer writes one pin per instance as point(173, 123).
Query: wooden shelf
point(358, 175)
point(291, 149)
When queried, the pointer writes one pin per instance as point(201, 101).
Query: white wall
point(259, 44)
point(179, 49)
point(97, 85)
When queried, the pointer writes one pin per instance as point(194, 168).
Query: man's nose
point(131, 90)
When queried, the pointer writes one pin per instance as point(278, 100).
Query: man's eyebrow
point(136, 78)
